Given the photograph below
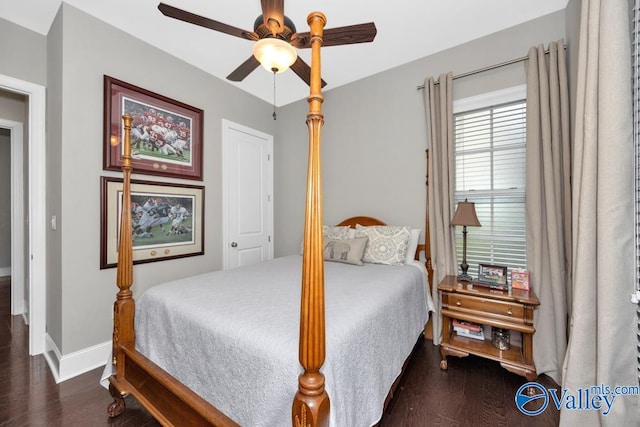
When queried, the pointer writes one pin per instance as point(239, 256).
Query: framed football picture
point(166, 135)
point(167, 220)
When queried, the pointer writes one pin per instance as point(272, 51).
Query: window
point(490, 171)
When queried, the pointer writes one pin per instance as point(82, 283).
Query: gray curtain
point(438, 102)
point(602, 333)
point(548, 206)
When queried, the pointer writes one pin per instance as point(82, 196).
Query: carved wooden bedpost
point(311, 403)
point(124, 307)
point(427, 233)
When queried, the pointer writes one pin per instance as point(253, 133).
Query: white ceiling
point(407, 30)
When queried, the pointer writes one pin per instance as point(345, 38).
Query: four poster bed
point(226, 347)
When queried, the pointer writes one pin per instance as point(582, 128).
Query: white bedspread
point(232, 336)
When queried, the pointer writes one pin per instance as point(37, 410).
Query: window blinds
point(490, 171)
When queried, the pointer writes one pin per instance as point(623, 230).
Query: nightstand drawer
point(484, 305)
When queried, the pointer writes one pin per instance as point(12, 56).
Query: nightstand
point(512, 310)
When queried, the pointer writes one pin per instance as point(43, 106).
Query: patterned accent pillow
point(387, 244)
point(348, 251)
point(336, 232)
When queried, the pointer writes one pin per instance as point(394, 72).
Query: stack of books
point(468, 329)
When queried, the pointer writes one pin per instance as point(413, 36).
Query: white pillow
point(414, 238)
point(388, 244)
point(336, 232)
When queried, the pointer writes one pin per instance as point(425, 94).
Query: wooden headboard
point(366, 221)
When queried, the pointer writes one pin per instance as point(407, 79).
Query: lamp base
point(464, 267)
point(465, 278)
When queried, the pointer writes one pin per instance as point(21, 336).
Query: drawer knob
point(509, 311)
point(458, 303)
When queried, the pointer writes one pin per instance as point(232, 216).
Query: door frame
point(228, 125)
point(17, 215)
point(36, 217)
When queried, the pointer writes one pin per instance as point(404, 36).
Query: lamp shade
point(465, 215)
point(275, 55)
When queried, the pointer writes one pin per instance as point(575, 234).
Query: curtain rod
point(490, 67)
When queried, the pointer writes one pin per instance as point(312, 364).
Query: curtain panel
point(548, 202)
point(438, 103)
point(602, 333)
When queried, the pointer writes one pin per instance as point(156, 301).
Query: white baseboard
point(76, 363)
point(5, 271)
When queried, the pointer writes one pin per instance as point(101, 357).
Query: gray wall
point(83, 49)
point(5, 198)
point(23, 53)
point(374, 133)
point(12, 107)
point(54, 178)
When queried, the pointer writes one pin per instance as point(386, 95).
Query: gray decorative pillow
point(348, 251)
point(387, 244)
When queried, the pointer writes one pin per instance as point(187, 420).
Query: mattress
point(232, 336)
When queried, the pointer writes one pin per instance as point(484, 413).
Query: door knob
point(234, 245)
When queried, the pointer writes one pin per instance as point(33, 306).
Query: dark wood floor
point(473, 392)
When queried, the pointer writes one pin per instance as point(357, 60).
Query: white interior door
point(247, 169)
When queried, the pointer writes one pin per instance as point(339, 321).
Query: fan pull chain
point(275, 70)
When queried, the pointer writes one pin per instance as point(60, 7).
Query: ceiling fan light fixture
point(274, 54)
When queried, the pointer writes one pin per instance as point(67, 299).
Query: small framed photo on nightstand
point(520, 279)
point(494, 276)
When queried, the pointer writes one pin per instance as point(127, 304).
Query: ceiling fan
point(273, 27)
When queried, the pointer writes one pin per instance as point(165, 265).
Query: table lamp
point(466, 216)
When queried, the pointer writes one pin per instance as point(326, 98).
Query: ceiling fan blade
point(192, 18)
point(360, 33)
point(244, 69)
point(273, 15)
point(303, 70)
